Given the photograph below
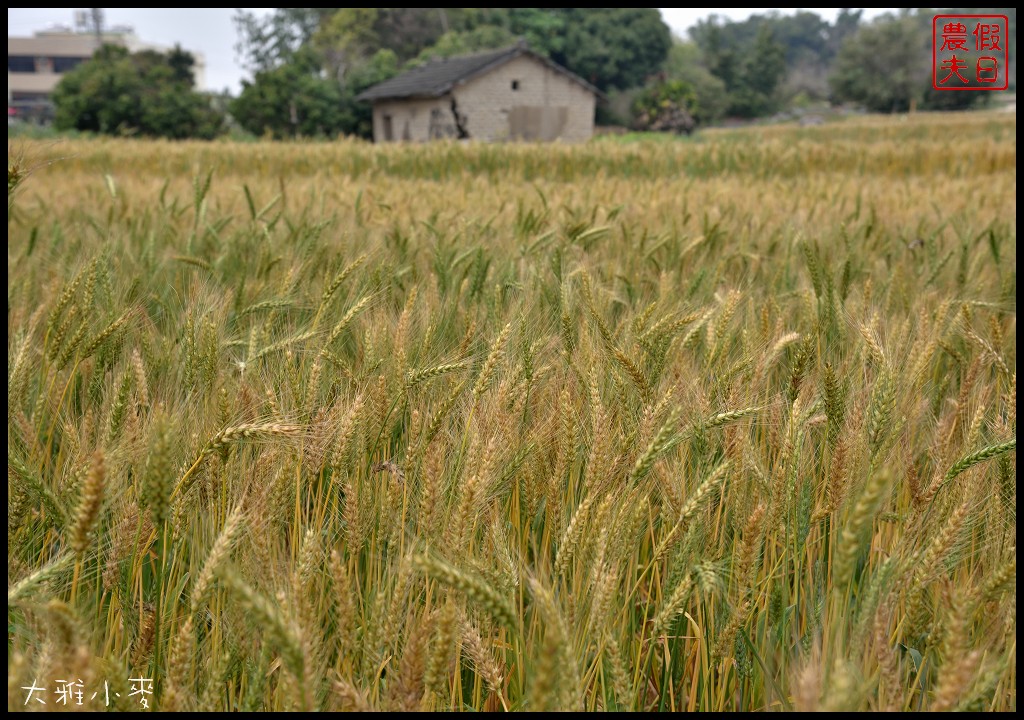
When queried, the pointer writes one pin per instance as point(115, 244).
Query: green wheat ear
point(474, 588)
point(979, 456)
point(157, 478)
point(89, 504)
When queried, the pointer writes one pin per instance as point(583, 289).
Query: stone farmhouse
point(508, 94)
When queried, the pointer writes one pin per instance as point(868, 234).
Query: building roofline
point(510, 53)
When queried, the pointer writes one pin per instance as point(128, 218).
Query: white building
point(35, 64)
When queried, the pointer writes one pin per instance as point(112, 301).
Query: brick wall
point(416, 120)
point(542, 103)
point(488, 100)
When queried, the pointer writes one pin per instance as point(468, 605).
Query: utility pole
point(96, 15)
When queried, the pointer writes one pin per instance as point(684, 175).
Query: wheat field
point(721, 424)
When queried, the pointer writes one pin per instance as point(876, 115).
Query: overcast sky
point(211, 32)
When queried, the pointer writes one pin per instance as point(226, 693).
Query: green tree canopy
point(666, 105)
point(453, 43)
point(748, 58)
point(614, 47)
point(884, 66)
point(145, 93)
point(686, 63)
point(298, 98)
point(887, 67)
point(611, 47)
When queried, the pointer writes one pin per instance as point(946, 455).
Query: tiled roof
point(438, 77)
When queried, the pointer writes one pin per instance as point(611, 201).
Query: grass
point(726, 425)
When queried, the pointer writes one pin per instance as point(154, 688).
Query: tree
point(289, 100)
point(763, 71)
point(266, 43)
point(882, 66)
point(451, 44)
point(846, 25)
point(181, 63)
point(611, 47)
point(544, 29)
point(685, 62)
point(358, 116)
point(614, 47)
point(748, 59)
point(767, 61)
point(666, 106)
point(146, 93)
point(297, 99)
point(886, 67)
point(278, 38)
point(346, 38)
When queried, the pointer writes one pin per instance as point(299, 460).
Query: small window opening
point(515, 84)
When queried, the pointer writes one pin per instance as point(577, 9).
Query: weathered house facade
point(510, 94)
